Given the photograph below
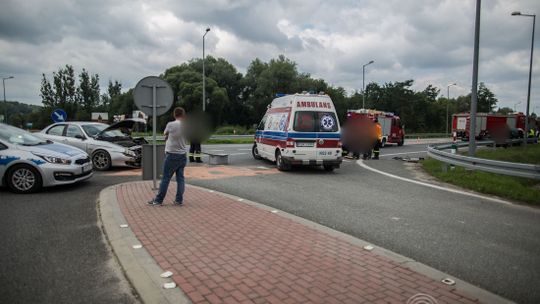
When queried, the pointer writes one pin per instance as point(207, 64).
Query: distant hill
point(19, 113)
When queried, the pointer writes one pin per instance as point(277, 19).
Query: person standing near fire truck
point(378, 135)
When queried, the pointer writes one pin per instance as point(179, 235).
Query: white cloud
point(429, 41)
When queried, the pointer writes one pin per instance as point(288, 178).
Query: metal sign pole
point(154, 148)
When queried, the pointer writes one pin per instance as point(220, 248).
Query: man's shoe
point(178, 203)
point(154, 203)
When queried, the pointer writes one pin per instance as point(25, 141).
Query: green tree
point(486, 99)
point(62, 93)
point(88, 94)
point(505, 110)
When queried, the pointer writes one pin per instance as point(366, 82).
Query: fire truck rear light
point(339, 144)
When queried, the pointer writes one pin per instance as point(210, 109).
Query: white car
point(28, 162)
point(108, 146)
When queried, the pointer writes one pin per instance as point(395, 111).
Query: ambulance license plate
point(304, 144)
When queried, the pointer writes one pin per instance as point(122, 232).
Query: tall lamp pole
point(203, 73)
point(518, 103)
point(5, 102)
point(474, 89)
point(530, 75)
point(363, 76)
point(447, 102)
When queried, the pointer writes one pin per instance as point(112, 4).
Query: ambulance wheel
point(281, 165)
point(255, 152)
point(328, 168)
point(401, 142)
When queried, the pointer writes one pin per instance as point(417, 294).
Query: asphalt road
point(53, 250)
point(488, 244)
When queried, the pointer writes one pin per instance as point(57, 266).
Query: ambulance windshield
point(313, 121)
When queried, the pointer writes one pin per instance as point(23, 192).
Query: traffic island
point(225, 249)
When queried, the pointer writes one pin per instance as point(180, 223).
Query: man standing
point(175, 160)
point(378, 142)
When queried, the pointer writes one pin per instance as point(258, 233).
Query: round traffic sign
point(59, 115)
point(144, 92)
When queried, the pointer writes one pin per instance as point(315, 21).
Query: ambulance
point(300, 129)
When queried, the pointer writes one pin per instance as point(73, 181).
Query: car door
point(75, 137)
point(56, 133)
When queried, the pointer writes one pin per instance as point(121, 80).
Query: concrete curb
point(138, 265)
point(143, 272)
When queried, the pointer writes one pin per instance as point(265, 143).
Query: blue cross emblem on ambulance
point(327, 122)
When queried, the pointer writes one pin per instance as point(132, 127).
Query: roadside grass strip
point(510, 187)
point(519, 154)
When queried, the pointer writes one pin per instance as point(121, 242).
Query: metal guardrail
point(162, 138)
point(488, 165)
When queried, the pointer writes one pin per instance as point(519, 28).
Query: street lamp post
point(530, 74)
point(5, 102)
point(474, 89)
point(447, 102)
point(518, 103)
point(363, 76)
point(203, 73)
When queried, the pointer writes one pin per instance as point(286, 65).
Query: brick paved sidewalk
point(224, 251)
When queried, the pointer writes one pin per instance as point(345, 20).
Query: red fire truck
point(392, 129)
point(488, 123)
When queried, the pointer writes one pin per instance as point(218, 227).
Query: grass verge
point(515, 188)
point(248, 140)
point(218, 141)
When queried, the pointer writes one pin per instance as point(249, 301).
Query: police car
point(28, 163)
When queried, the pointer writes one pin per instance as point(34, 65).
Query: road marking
point(363, 165)
point(402, 153)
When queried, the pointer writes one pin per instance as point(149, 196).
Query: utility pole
point(474, 95)
point(203, 73)
point(363, 76)
point(5, 102)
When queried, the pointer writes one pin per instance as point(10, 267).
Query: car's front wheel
point(24, 179)
point(101, 160)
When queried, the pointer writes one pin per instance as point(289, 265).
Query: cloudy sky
point(429, 41)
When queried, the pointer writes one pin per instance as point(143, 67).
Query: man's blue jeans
point(174, 163)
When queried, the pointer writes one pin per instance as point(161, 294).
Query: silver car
point(108, 146)
point(28, 162)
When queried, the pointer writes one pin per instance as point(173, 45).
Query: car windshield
point(20, 137)
point(94, 129)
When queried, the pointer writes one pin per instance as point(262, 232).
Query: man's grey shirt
point(175, 141)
